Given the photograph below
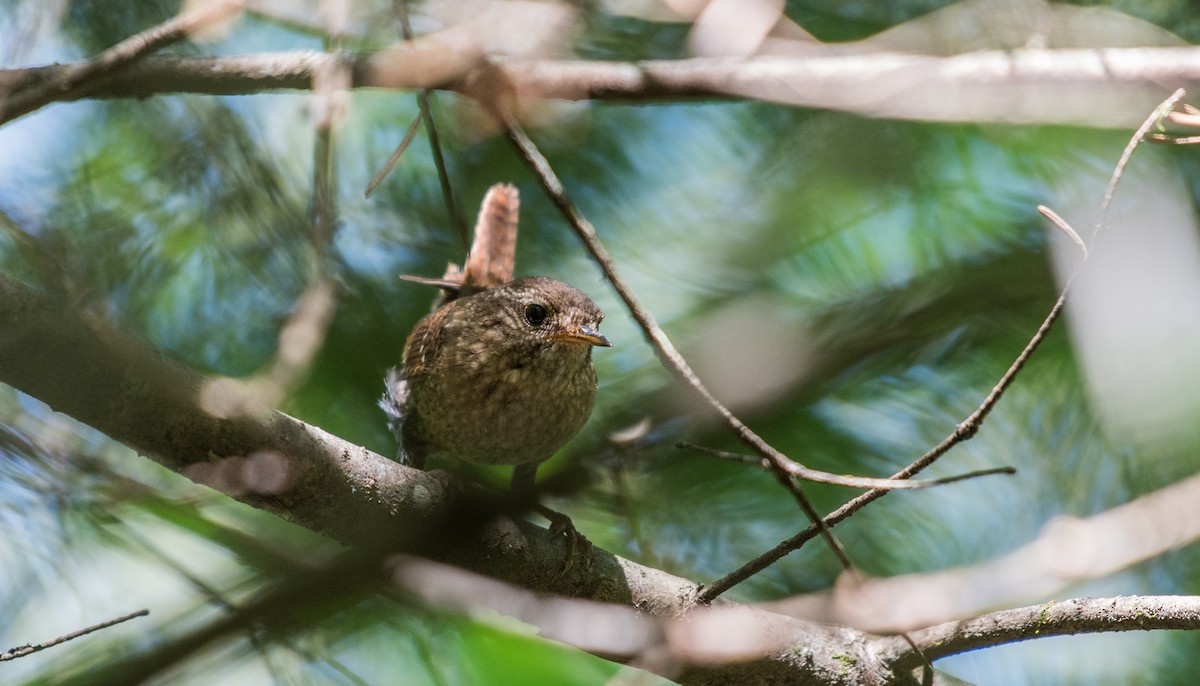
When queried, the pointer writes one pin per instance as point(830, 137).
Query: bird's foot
point(561, 525)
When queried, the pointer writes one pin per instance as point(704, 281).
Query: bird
point(500, 377)
point(500, 372)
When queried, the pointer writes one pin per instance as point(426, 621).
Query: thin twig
point(666, 351)
point(1155, 116)
point(392, 159)
point(1174, 140)
point(740, 458)
point(425, 102)
point(962, 432)
point(79, 77)
point(1064, 227)
point(852, 481)
point(22, 651)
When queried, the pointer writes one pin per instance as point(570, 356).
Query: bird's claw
point(561, 525)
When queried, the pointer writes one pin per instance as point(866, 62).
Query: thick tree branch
point(1108, 87)
point(82, 367)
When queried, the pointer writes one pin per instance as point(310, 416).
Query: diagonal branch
point(81, 79)
point(425, 104)
point(81, 367)
point(31, 649)
point(666, 351)
point(968, 427)
point(781, 466)
point(964, 431)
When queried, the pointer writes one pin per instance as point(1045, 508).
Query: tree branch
point(76, 80)
point(1069, 551)
point(1076, 616)
point(1108, 87)
point(84, 368)
point(22, 651)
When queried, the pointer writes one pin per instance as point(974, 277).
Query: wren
point(501, 372)
point(501, 377)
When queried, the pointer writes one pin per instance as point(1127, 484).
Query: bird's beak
point(582, 335)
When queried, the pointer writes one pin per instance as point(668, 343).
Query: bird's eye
point(535, 314)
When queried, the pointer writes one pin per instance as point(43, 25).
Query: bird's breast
point(512, 410)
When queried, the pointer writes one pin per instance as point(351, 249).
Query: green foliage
point(892, 269)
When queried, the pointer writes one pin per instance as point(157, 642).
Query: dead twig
point(425, 103)
point(392, 159)
point(964, 431)
point(22, 651)
point(1162, 111)
point(852, 481)
point(666, 351)
point(969, 426)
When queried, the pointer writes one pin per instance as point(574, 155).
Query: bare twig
point(852, 481)
point(424, 101)
point(740, 458)
point(968, 427)
point(75, 80)
point(666, 351)
point(22, 651)
point(964, 431)
point(1163, 109)
point(392, 159)
point(1174, 140)
point(1064, 227)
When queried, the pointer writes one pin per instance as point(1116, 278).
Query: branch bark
point(81, 366)
point(1106, 87)
point(1077, 616)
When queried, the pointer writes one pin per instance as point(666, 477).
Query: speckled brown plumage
point(503, 376)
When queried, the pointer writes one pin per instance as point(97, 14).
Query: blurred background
point(851, 286)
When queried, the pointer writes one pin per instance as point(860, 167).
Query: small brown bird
point(503, 376)
point(502, 373)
